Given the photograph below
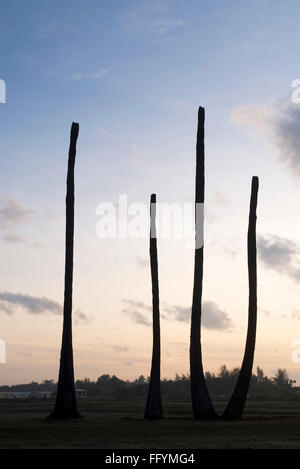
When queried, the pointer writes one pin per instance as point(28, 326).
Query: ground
point(116, 425)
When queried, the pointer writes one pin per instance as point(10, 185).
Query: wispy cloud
point(254, 115)
point(175, 103)
point(13, 213)
point(13, 238)
point(150, 17)
point(138, 311)
point(230, 251)
point(118, 348)
point(25, 354)
point(141, 261)
point(163, 25)
point(81, 318)
point(280, 123)
point(290, 316)
point(90, 76)
point(212, 316)
point(10, 302)
point(103, 131)
point(220, 199)
point(31, 304)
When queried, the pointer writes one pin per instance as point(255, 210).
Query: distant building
point(27, 395)
point(81, 393)
point(15, 395)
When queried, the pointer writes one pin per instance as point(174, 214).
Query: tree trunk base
point(153, 417)
point(230, 414)
point(209, 415)
point(227, 418)
point(201, 412)
point(153, 414)
point(62, 415)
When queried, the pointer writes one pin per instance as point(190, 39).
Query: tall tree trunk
point(235, 407)
point(66, 405)
point(202, 405)
point(153, 407)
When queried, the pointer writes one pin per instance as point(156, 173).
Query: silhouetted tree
point(235, 407)
point(260, 376)
point(153, 407)
point(66, 405)
point(282, 380)
point(202, 405)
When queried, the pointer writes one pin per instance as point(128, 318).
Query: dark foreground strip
point(152, 457)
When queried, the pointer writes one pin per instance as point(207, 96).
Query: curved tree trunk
point(153, 409)
point(202, 405)
point(66, 405)
point(235, 407)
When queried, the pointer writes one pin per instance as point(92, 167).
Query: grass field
point(116, 425)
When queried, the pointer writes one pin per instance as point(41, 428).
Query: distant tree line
point(220, 386)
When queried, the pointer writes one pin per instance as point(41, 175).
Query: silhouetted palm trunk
point(202, 405)
point(153, 407)
point(235, 407)
point(66, 405)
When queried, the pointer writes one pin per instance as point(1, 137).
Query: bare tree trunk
point(153, 409)
point(235, 407)
point(202, 405)
point(66, 405)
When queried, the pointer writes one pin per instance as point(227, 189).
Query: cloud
point(212, 316)
point(220, 199)
point(138, 317)
point(256, 116)
point(276, 252)
point(80, 317)
point(135, 310)
point(176, 104)
point(163, 25)
point(280, 123)
point(13, 213)
point(179, 313)
point(9, 302)
point(279, 254)
point(265, 311)
point(150, 17)
point(90, 76)
point(119, 348)
point(296, 315)
point(13, 238)
point(230, 252)
point(31, 304)
point(141, 261)
point(25, 354)
point(103, 131)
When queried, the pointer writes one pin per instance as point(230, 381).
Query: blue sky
point(133, 74)
point(127, 67)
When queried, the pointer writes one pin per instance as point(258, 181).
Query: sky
point(133, 73)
